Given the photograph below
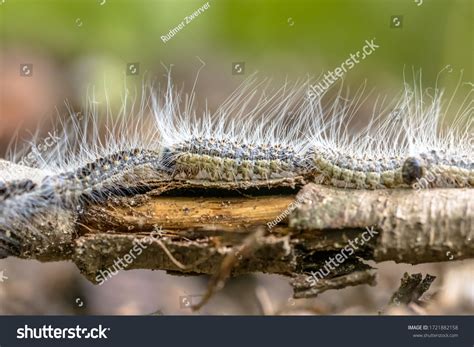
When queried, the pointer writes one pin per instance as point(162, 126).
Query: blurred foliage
point(279, 38)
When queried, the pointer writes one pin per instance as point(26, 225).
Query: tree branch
point(189, 227)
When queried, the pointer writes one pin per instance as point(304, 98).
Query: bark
point(192, 227)
point(412, 287)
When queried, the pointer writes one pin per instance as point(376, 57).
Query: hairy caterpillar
point(251, 137)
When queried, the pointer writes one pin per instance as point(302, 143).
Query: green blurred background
point(270, 36)
point(89, 42)
point(75, 45)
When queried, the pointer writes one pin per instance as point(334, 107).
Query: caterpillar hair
point(256, 135)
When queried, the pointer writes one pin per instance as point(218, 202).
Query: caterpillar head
point(413, 170)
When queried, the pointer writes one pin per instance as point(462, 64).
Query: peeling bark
point(200, 223)
point(415, 226)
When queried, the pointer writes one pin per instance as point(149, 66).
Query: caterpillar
point(251, 138)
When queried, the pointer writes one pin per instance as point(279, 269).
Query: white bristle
point(245, 139)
